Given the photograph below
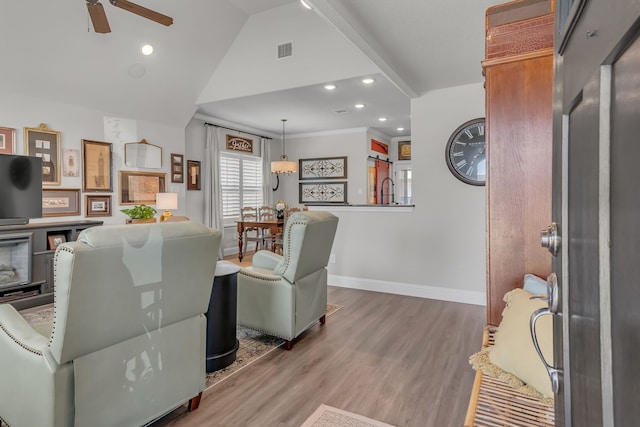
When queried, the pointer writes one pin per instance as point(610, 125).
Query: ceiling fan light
point(146, 49)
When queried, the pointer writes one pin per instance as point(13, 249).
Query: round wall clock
point(466, 153)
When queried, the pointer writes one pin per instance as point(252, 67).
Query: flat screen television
point(20, 189)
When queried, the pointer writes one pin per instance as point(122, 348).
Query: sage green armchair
point(128, 342)
point(284, 295)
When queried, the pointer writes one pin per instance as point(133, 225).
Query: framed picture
point(60, 201)
point(404, 150)
point(96, 166)
point(323, 192)
point(379, 147)
point(45, 143)
point(97, 205)
point(323, 168)
point(141, 187)
point(70, 162)
point(177, 168)
point(55, 240)
point(7, 140)
point(193, 175)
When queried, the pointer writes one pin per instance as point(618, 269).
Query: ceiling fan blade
point(98, 17)
point(143, 11)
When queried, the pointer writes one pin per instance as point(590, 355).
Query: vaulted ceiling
point(50, 51)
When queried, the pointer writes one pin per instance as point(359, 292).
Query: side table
point(222, 343)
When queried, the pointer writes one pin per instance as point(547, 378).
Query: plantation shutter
point(241, 181)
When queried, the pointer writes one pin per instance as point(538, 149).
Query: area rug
point(327, 416)
point(253, 344)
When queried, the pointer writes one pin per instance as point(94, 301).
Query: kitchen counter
point(394, 208)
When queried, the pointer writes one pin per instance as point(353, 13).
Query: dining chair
point(266, 214)
point(277, 248)
point(250, 234)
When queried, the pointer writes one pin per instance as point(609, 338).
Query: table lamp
point(166, 201)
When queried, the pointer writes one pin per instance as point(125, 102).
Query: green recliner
point(283, 295)
point(128, 341)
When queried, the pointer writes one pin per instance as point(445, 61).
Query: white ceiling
point(419, 45)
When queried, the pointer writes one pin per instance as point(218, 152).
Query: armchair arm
point(16, 328)
point(266, 259)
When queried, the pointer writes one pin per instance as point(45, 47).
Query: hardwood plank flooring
point(397, 359)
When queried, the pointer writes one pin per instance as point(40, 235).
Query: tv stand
point(34, 285)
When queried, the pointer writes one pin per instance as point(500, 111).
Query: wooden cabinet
point(518, 69)
point(36, 285)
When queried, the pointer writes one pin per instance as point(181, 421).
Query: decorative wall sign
point(177, 167)
point(7, 140)
point(141, 187)
point(323, 168)
point(323, 192)
point(237, 143)
point(193, 175)
point(60, 201)
point(44, 143)
point(404, 150)
point(96, 166)
point(379, 147)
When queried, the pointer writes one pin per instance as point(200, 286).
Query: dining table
point(273, 225)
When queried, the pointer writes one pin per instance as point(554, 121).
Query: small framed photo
point(193, 175)
point(177, 168)
point(55, 240)
point(96, 166)
point(44, 143)
point(7, 140)
point(60, 201)
point(97, 205)
point(70, 162)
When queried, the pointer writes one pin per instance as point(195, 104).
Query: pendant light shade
point(284, 166)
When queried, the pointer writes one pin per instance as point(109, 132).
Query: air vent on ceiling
point(342, 111)
point(285, 49)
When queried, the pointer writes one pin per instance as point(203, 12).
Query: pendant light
point(283, 166)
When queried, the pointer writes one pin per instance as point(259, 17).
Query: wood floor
point(400, 360)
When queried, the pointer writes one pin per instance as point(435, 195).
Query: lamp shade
point(284, 167)
point(167, 200)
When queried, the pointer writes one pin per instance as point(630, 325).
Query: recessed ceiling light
point(146, 49)
point(400, 129)
point(383, 119)
point(368, 81)
point(359, 105)
point(329, 86)
point(304, 3)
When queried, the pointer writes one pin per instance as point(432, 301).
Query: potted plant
point(140, 214)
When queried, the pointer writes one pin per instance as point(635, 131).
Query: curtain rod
point(236, 130)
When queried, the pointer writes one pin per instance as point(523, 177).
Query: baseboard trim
point(409, 289)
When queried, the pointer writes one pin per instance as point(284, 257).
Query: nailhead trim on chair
point(26, 347)
point(255, 276)
point(55, 292)
point(2, 421)
point(288, 259)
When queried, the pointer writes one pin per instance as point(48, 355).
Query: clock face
point(466, 153)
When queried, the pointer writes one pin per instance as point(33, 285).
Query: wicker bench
point(493, 403)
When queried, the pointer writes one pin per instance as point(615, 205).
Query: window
point(241, 181)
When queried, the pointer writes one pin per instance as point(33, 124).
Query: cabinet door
point(519, 124)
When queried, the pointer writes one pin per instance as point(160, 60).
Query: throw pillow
point(535, 284)
point(513, 350)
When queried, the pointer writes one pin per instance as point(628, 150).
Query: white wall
point(438, 250)
point(76, 123)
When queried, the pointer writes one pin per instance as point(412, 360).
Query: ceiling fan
point(99, 17)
